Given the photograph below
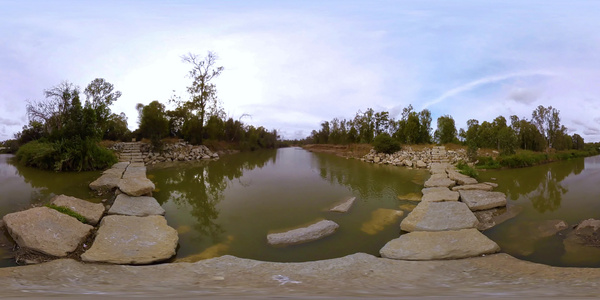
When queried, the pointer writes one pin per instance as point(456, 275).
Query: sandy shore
point(355, 276)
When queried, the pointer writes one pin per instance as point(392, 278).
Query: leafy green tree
point(446, 130)
point(424, 127)
point(153, 122)
point(202, 93)
point(578, 142)
point(385, 143)
point(116, 128)
point(100, 95)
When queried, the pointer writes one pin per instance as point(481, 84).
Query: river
point(228, 206)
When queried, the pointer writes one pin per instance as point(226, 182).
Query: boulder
point(582, 245)
point(491, 217)
point(136, 186)
point(105, 183)
point(91, 211)
point(477, 186)
point(135, 206)
point(421, 164)
point(46, 230)
point(439, 194)
point(461, 178)
point(494, 185)
point(439, 216)
point(437, 180)
point(310, 233)
point(132, 240)
point(587, 233)
point(422, 245)
point(344, 206)
point(481, 200)
point(381, 218)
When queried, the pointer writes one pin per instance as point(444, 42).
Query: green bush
point(465, 169)
point(523, 159)
point(386, 144)
point(487, 162)
point(66, 155)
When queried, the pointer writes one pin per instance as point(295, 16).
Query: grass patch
point(465, 169)
point(67, 211)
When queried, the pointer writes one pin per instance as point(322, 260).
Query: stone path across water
point(443, 225)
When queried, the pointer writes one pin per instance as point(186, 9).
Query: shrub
point(66, 155)
point(386, 144)
point(37, 154)
point(487, 162)
point(465, 169)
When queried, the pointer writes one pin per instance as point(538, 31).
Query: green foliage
point(487, 162)
point(67, 211)
point(386, 144)
point(465, 169)
point(37, 154)
point(153, 121)
point(523, 159)
point(446, 131)
point(66, 155)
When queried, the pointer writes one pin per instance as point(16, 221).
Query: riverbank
point(354, 276)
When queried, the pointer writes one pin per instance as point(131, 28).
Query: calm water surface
point(229, 206)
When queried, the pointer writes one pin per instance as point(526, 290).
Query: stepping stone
point(105, 183)
point(310, 233)
point(136, 186)
point(438, 194)
point(439, 216)
point(461, 178)
point(437, 180)
point(134, 172)
point(120, 165)
point(438, 168)
point(491, 217)
point(381, 218)
point(46, 230)
point(422, 245)
point(135, 206)
point(480, 200)
point(114, 172)
point(478, 186)
point(132, 240)
point(91, 211)
point(344, 206)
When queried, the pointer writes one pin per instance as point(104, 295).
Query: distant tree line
point(543, 131)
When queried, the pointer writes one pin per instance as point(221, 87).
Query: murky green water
point(567, 190)
point(230, 205)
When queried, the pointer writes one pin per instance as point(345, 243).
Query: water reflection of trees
point(367, 181)
point(200, 185)
point(542, 185)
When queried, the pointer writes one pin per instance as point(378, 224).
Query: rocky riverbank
point(180, 151)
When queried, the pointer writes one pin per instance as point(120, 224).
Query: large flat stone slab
point(422, 245)
point(91, 211)
point(437, 180)
point(310, 233)
point(344, 206)
point(105, 183)
point(135, 206)
point(132, 171)
point(438, 168)
point(439, 216)
point(46, 230)
point(132, 240)
point(477, 186)
point(480, 200)
point(461, 178)
point(438, 194)
point(136, 186)
point(491, 217)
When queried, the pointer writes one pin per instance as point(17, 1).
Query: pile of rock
point(443, 225)
point(180, 151)
point(417, 159)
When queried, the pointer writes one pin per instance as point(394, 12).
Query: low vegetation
point(67, 211)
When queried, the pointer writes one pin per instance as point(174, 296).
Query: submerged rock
point(410, 197)
point(491, 217)
point(217, 250)
point(381, 218)
point(582, 245)
point(439, 216)
point(522, 237)
point(91, 211)
point(135, 206)
point(481, 200)
point(344, 206)
point(46, 230)
point(132, 240)
point(310, 233)
point(423, 245)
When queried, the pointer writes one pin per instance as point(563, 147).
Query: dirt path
point(354, 276)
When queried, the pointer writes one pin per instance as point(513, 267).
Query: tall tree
point(446, 130)
point(202, 91)
point(100, 95)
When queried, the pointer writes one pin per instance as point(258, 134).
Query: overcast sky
point(293, 64)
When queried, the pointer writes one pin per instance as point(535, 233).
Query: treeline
point(156, 123)
point(542, 132)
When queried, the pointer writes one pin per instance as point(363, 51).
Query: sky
point(289, 65)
